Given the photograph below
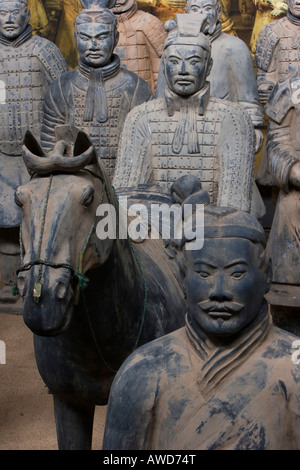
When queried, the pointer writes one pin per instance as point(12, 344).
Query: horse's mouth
point(48, 318)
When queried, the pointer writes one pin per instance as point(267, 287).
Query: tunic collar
point(95, 103)
point(219, 358)
point(107, 71)
point(187, 109)
point(199, 100)
point(27, 33)
point(124, 18)
point(216, 33)
point(293, 19)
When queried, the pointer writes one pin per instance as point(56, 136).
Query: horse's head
point(57, 233)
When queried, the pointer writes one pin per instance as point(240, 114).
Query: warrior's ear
point(269, 273)
point(117, 38)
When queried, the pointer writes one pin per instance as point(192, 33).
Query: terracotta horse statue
point(89, 302)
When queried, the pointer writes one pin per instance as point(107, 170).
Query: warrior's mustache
point(212, 306)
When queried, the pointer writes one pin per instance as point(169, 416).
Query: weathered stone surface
point(97, 96)
point(28, 64)
point(283, 146)
point(188, 131)
point(213, 385)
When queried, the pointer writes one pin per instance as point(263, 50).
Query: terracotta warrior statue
point(97, 96)
point(141, 39)
point(188, 130)
point(228, 380)
point(28, 64)
point(267, 11)
point(276, 57)
point(232, 74)
point(277, 50)
point(283, 148)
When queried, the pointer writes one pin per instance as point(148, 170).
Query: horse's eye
point(87, 197)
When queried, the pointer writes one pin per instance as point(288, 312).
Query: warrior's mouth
point(184, 82)
point(223, 310)
point(224, 315)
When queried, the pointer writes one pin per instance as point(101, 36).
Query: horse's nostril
point(61, 290)
point(21, 284)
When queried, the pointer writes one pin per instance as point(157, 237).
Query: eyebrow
point(207, 263)
point(236, 262)
point(93, 35)
point(179, 57)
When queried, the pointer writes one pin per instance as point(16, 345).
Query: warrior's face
point(14, 18)
point(294, 7)
point(210, 8)
point(225, 284)
point(186, 68)
point(95, 43)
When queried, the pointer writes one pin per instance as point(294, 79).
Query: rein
point(82, 279)
point(78, 272)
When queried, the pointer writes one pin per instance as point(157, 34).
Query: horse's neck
point(121, 272)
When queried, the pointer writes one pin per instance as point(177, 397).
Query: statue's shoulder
point(285, 95)
point(233, 43)
point(158, 355)
point(225, 107)
point(150, 110)
point(147, 20)
point(285, 346)
point(45, 45)
point(267, 40)
point(151, 27)
point(49, 54)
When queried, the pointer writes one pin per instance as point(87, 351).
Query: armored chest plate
point(105, 136)
point(168, 166)
point(288, 55)
point(22, 86)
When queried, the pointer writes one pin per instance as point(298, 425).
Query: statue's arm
point(155, 35)
point(133, 164)
point(236, 159)
point(53, 114)
point(283, 163)
point(245, 84)
point(266, 62)
point(52, 59)
point(142, 93)
point(161, 81)
point(131, 407)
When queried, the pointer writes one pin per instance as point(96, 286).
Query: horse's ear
point(82, 143)
point(32, 144)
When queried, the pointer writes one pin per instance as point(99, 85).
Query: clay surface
point(90, 299)
point(214, 384)
point(188, 131)
point(141, 39)
point(97, 96)
point(28, 64)
point(284, 165)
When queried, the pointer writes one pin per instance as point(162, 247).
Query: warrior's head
point(227, 278)
point(14, 18)
point(187, 55)
point(96, 35)
point(124, 5)
point(294, 7)
point(210, 8)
